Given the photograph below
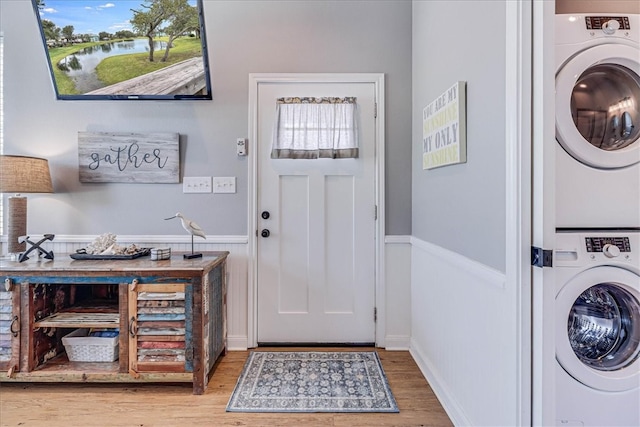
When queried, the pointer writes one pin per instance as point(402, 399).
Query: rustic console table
point(170, 315)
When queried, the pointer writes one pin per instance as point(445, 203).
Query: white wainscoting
point(397, 276)
point(236, 268)
point(398, 292)
point(452, 339)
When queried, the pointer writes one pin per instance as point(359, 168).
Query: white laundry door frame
point(377, 79)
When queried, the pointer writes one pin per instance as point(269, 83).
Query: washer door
point(598, 106)
point(598, 328)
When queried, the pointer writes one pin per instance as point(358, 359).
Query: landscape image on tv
point(125, 49)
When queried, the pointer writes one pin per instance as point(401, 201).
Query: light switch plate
point(196, 184)
point(224, 184)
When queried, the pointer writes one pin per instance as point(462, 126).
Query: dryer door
point(598, 106)
point(598, 328)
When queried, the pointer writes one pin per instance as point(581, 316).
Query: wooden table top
point(64, 264)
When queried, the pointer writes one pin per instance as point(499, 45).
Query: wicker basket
point(82, 348)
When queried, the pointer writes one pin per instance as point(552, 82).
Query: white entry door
point(316, 230)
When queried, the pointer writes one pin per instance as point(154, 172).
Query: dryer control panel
point(601, 22)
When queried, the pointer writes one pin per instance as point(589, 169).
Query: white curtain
point(311, 128)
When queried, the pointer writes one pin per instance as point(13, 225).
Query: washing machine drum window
point(605, 106)
point(603, 327)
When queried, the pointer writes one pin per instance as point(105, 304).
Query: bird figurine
point(191, 228)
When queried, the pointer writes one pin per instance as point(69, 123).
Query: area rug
point(312, 382)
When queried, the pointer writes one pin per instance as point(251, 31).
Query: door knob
point(265, 214)
point(265, 233)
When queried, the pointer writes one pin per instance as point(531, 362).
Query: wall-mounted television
point(125, 49)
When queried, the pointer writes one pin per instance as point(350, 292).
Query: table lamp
point(21, 174)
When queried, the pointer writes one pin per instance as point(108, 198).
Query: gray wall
point(462, 207)
point(244, 37)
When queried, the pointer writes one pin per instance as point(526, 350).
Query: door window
point(311, 128)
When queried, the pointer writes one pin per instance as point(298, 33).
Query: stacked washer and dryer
point(597, 255)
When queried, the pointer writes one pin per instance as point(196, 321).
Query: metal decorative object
point(193, 229)
point(35, 247)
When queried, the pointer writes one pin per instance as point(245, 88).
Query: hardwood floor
point(146, 405)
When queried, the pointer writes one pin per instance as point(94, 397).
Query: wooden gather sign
point(129, 157)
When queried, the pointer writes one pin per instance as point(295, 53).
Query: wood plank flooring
point(147, 405)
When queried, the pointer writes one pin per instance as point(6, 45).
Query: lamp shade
point(23, 174)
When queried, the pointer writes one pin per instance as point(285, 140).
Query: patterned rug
point(312, 382)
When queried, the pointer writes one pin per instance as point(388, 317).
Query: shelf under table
point(80, 320)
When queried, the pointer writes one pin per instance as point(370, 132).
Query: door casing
point(255, 79)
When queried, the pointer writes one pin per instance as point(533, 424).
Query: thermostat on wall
point(241, 146)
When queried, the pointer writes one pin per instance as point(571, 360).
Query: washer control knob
point(611, 26)
point(610, 251)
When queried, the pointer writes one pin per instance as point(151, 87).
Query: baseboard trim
point(397, 342)
point(237, 343)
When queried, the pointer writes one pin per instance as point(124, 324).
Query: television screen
point(125, 49)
